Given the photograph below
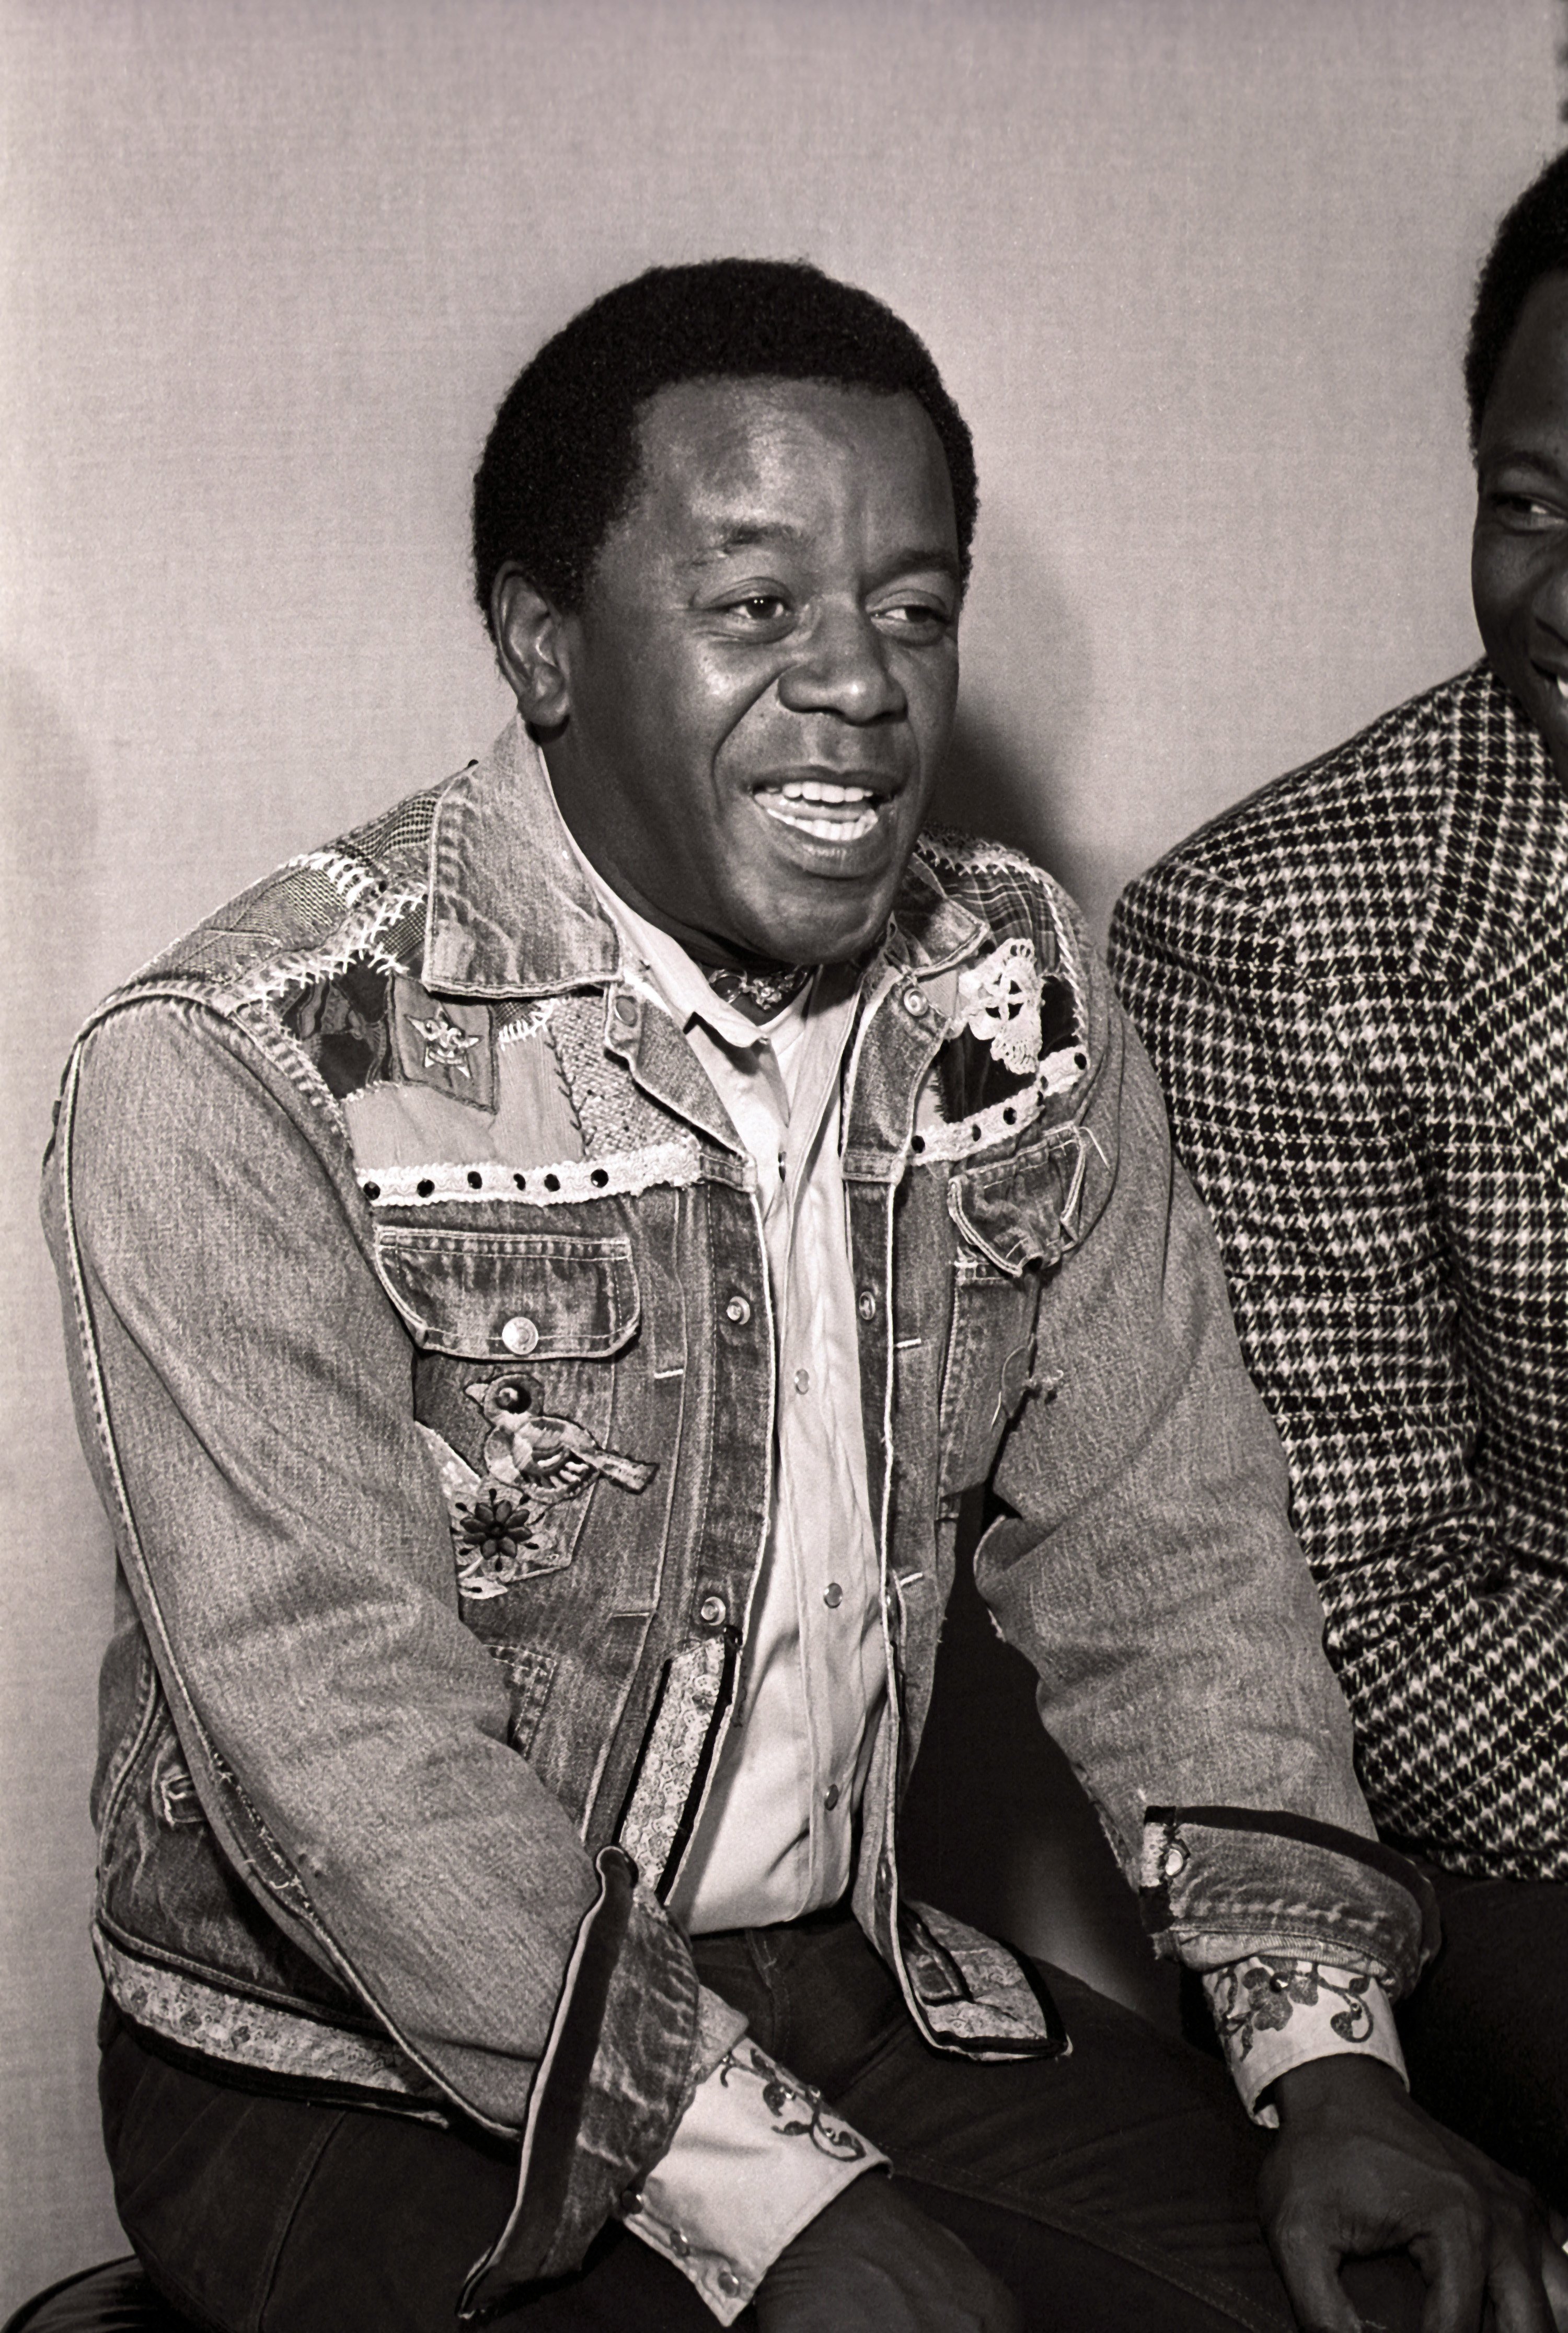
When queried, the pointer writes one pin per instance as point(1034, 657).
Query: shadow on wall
point(1024, 717)
point(996, 785)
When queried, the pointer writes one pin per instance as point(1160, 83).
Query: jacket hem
point(213, 2023)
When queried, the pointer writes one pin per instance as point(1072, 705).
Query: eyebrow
point(1544, 466)
point(749, 533)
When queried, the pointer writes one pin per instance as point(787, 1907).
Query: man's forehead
point(743, 464)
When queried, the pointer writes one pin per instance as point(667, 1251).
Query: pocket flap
point(517, 1295)
point(1022, 1211)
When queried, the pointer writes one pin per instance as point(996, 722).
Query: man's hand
point(1358, 2169)
point(873, 2262)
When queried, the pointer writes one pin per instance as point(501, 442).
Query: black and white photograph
point(786, 806)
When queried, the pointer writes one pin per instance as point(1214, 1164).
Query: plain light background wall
point(1197, 269)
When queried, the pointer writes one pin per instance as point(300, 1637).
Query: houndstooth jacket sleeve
point(1355, 988)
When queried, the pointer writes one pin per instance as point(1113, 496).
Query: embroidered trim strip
point(1059, 1073)
point(250, 2033)
point(565, 1183)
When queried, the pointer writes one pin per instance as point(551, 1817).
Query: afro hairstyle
point(1531, 241)
point(561, 464)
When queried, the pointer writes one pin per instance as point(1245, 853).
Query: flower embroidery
point(446, 1046)
point(779, 2094)
point(1263, 1995)
point(497, 1537)
point(999, 1001)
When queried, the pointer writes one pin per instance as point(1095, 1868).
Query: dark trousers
point(1110, 2189)
point(1485, 2032)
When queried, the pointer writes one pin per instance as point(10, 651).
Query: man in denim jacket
point(541, 1273)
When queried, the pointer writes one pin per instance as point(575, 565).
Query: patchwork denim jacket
point(420, 1332)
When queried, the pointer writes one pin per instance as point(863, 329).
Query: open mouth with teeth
point(821, 808)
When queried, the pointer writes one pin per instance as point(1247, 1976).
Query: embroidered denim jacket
point(420, 1332)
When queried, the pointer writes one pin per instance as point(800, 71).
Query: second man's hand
point(1359, 2169)
point(874, 2262)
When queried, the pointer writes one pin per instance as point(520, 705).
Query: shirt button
point(833, 1596)
point(830, 1797)
point(711, 1610)
point(803, 1380)
point(866, 1305)
point(737, 1311)
point(520, 1334)
point(727, 2280)
point(913, 1003)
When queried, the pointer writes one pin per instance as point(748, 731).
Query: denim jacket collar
point(511, 914)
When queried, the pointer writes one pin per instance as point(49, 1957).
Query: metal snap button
point(519, 1335)
point(914, 1003)
point(737, 1311)
point(830, 1797)
point(833, 1596)
point(712, 1611)
point(866, 1305)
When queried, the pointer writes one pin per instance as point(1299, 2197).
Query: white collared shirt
point(774, 1841)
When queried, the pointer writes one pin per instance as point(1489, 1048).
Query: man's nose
point(844, 667)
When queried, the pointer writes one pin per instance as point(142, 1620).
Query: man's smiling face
point(759, 685)
point(1519, 562)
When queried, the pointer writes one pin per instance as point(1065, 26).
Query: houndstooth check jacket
point(1355, 988)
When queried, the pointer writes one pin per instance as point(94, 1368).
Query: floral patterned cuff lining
point(1274, 2011)
point(754, 2158)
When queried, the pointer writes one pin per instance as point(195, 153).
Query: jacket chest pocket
point(1015, 1221)
point(523, 1339)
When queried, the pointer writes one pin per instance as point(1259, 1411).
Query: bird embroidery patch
point(501, 1526)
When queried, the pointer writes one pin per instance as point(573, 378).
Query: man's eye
point(759, 607)
point(915, 616)
point(1526, 513)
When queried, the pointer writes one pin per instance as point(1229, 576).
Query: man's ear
point(527, 646)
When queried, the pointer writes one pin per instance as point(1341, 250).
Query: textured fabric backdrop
point(1196, 269)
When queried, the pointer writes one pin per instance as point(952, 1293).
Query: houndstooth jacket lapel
point(1493, 936)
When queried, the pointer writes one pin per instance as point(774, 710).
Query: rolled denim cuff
point(1225, 1884)
point(756, 2157)
point(1272, 2013)
point(616, 2077)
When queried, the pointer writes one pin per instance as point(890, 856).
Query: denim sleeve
point(1148, 1570)
point(1446, 1627)
point(244, 1391)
